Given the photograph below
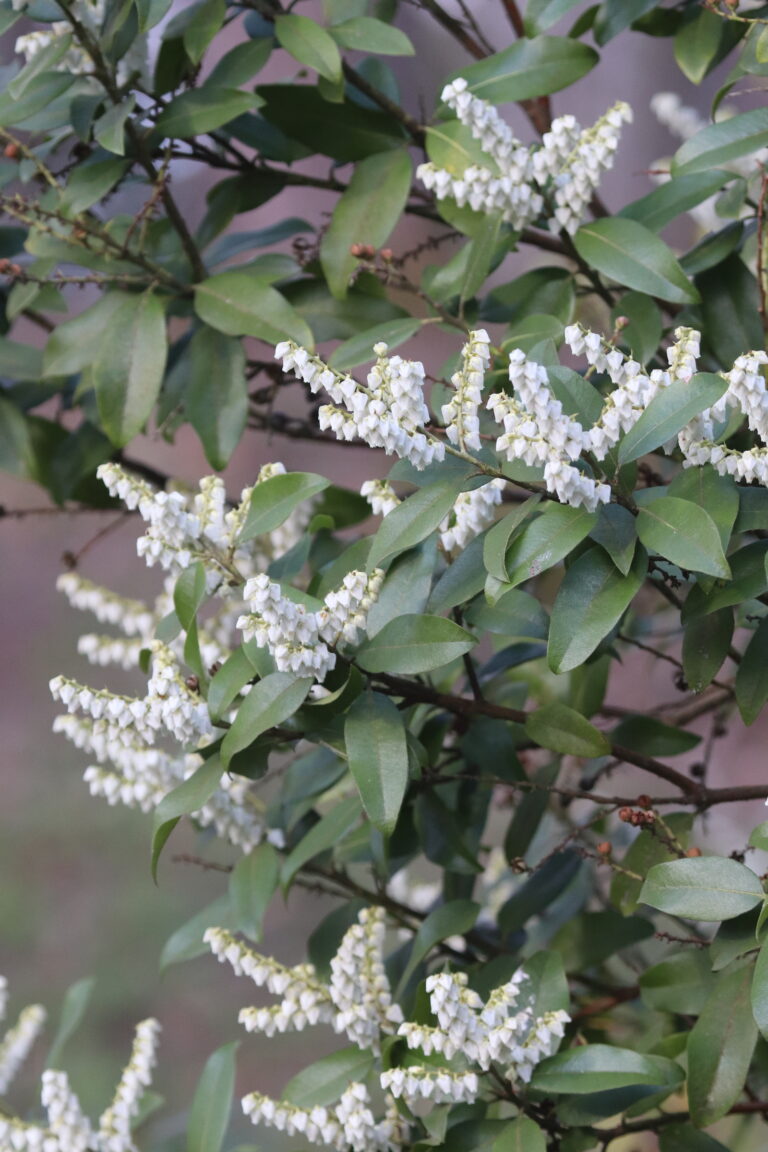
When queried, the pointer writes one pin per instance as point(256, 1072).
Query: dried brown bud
point(387, 255)
point(356, 250)
point(692, 852)
point(11, 151)
point(604, 848)
point(644, 801)
point(192, 683)
point(625, 814)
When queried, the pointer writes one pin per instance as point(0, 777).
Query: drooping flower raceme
point(67, 1128)
point(517, 180)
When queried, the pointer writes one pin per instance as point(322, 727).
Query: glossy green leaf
point(216, 397)
point(703, 888)
point(599, 1067)
point(451, 919)
point(720, 1047)
point(365, 213)
point(719, 495)
point(377, 751)
point(651, 737)
point(683, 533)
point(720, 143)
point(631, 254)
point(252, 884)
point(542, 14)
point(73, 1008)
point(521, 1135)
point(234, 674)
point(685, 1138)
point(359, 348)
point(674, 197)
point(274, 499)
point(364, 34)
point(730, 310)
point(615, 532)
point(212, 1102)
point(496, 541)
point(310, 44)
point(204, 110)
point(413, 644)
point(325, 1081)
point(697, 44)
point(330, 830)
point(240, 304)
point(752, 675)
point(529, 68)
point(269, 702)
point(189, 796)
point(129, 364)
point(669, 411)
point(346, 132)
point(590, 602)
point(539, 891)
point(680, 983)
point(109, 129)
point(414, 519)
point(560, 728)
point(187, 941)
point(546, 540)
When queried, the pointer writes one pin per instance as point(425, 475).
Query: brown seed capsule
point(604, 848)
point(356, 250)
point(692, 852)
point(387, 255)
point(644, 801)
point(11, 151)
point(192, 683)
point(625, 814)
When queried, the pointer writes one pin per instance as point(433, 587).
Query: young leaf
point(720, 1046)
point(216, 397)
point(129, 364)
point(273, 500)
point(377, 749)
point(365, 213)
point(669, 411)
point(413, 644)
point(558, 727)
point(683, 533)
point(212, 1102)
point(270, 702)
point(632, 255)
point(704, 888)
point(591, 600)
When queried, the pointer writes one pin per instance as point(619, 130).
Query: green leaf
point(240, 304)
point(542, 14)
point(365, 213)
point(645, 851)
point(759, 994)
point(684, 1138)
point(212, 1102)
point(310, 44)
point(720, 1047)
point(681, 984)
point(19, 361)
point(189, 594)
point(204, 110)
point(187, 941)
point(613, 16)
point(615, 532)
point(273, 500)
point(651, 737)
point(521, 1135)
point(540, 890)
point(414, 519)
point(346, 132)
point(529, 68)
point(90, 182)
point(76, 1000)
point(674, 197)
point(669, 411)
point(109, 129)
point(270, 702)
point(207, 19)
point(70, 346)
point(719, 495)
point(189, 796)
point(720, 143)
point(752, 675)
point(730, 309)
point(252, 884)
point(496, 540)
point(241, 63)
point(377, 750)
point(546, 540)
point(359, 348)
point(234, 674)
point(704, 888)
point(589, 939)
point(216, 397)
point(590, 602)
point(683, 533)
point(326, 834)
point(631, 254)
point(38, 95)
point(325, 1081)
point(413, 644)
point(560, 728)
point(697, 43)
point(451, 919)
point(481, 257)
point(129, 364)
point(600, 1067)
point(364, 34)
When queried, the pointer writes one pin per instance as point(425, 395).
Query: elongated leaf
point(366, 213)
point(530, 68)
point(718, 144)
point(591, 600)
point(310, 44)
point(240, 304)
point(109, 129)
point(188, 594)
point(204, 110)
point(76, 1000)
point(521, 1135)
point(364, 34)
point(546, 540)
point(542, 14)
point(560, 728)
point(346, 132)
point(129, 365)
point(413, 644)
point(683, 533)
point(451, 919)
point(234, 674)
point(274, 499)
point(719, 495)
point(323, 1082)
point(669, 411)
point(631, 254)
point(414, 519)
point(497, 539)
point(599, 1067)
point(187, 941)
point(186, 797)
point(674, 197)
point(270, 702)
point(707, 888)
point(359, 349)
point(752, 675)
point(616, 533)
point(212, 1102)
point(216, 397)
point(377, 749)
point(326, 834)
point(252, 884)
point(706, 641)
point(720, 1047)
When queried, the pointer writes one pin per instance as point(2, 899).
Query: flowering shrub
point(398, 689)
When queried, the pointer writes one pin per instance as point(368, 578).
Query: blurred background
point(76, 895)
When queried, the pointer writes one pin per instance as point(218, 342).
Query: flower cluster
point(68, 1129)
point(358, 1002)
point(471, 514)
point(18, 1040)
point(460, 414)
point(299, 640)
point(388, 413)
point(517, 180)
